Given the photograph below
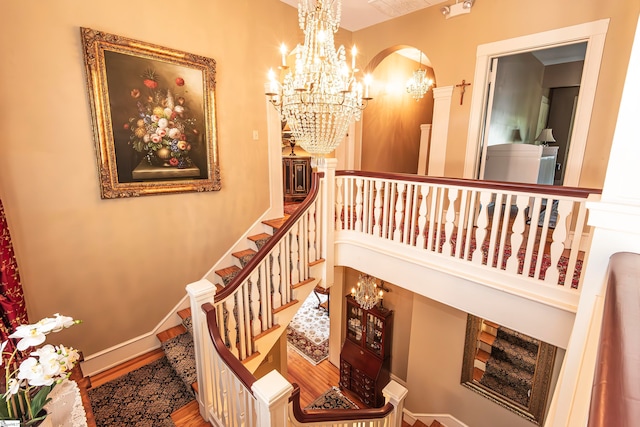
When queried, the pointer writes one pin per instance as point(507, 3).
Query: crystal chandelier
point(321, 96)
point(367, 294)
point(419, 84)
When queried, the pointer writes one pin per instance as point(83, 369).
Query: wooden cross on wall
point(462, 90)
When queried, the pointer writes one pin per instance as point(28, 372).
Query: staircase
point(419, 423)
point(177, 342)
point(506, 362)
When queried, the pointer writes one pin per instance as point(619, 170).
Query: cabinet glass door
point(374, 328)
point(354, 323)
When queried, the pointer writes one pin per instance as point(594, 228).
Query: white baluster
point(470, 222)
point(504, 231)
point(266, 307)
point(304, 248)
point(295, 275)
point(358, 224)
point(575, 246)
point(481, 231)
point(411, 217)
point(377, 211)
point(557, 246)
point(255, 303)
point(230, 306)
point(339, 209)
point(422, 218)
point(399, 212)
point(386, 207)
point(534, 216)
point(495, 227)
point(275, 277)
point(312, 233)
point(517, 234)
point(452, 195)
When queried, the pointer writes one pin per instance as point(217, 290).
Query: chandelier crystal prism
point(367, 294)
point(320, 96)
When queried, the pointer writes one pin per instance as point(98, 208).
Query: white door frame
point(594, 34)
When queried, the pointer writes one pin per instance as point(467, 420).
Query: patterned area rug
point(181, 355)
point(308, 332)
point(332, 399)
point(145, 397)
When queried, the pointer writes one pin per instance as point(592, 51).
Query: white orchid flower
point(68, 357)
point(30, 335)
point(12, 389)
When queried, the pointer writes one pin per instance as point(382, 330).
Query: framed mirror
point(508, 367)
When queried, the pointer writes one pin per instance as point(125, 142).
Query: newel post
point(201, 292)
point(328, 166)
point(395, 394)
point(272, 394)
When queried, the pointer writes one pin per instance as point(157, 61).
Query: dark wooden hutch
point(365, 355)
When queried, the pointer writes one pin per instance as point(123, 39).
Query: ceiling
point(359, 14)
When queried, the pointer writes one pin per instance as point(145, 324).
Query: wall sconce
point(457, 9)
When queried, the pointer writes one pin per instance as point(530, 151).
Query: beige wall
point(435, 366)
point(121, 265)
point(451, 46)
point(391, 122)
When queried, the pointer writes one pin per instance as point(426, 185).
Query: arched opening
point(391, 123)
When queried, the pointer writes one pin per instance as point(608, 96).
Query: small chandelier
point(367, 294)
point(418, 84)
point(321, 96)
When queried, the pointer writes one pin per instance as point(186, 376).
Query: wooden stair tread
point(228, 270)
point(185, 313)
point(171, 333)
point(275, 223)
point(490, 323)
point(260, 236)
point(245, 252)
point(477, 374)
point(436, 423)
point(482, 356)
point(486, 338)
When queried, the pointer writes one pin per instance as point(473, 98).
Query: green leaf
point(40, 399)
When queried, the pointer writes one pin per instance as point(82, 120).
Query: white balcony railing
point(535, 236)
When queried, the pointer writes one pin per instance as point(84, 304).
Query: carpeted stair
point(177, 342)
point(511, 365)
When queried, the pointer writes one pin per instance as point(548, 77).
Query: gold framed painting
point(153, 113)
point(507, 367)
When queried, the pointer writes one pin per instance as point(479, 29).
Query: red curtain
point(12, 306)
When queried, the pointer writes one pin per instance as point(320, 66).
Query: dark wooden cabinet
point(296, 172)
point(365, 355)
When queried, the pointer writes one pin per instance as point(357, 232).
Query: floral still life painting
point(31, 372)
point(153, 111)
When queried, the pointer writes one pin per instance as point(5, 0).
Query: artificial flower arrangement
point(161, 127)
point(29, 381)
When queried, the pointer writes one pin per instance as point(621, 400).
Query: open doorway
point(591, 33)
point(532, 97)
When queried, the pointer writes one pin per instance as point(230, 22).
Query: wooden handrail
point(334, 415)
point(614, 399)
point(271, 243)
point(551, 190)
point(243, 374)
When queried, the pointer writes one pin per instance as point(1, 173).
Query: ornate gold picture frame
point(153, 112)
point(515, 373)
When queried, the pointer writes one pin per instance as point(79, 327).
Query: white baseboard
point(446, 420)
point(113, 356)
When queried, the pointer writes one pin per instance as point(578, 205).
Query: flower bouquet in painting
point(162, 128)
point(31, 372)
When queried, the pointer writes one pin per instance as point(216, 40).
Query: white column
point(274, 149)
point(395, 394)
point(440, 130)
point(425, 137)
point(616, 218)
point(272, 393)
point(328, 166)
point(201, 292)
